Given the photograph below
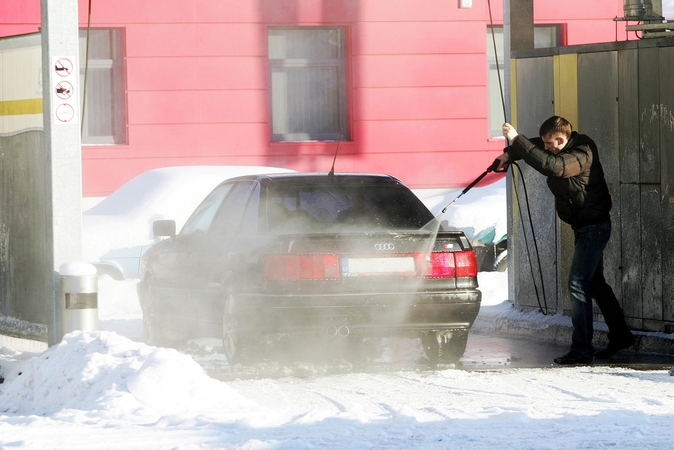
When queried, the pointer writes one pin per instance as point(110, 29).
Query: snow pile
point(494, 288)
point(111, 376)
point(101, 391)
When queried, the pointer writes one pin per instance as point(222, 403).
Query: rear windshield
point(319, 209)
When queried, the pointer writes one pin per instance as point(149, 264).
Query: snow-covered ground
point(107, 390)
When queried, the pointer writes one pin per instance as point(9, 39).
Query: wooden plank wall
point(598, 118)
point(649, 183)
point(626, 104)
point(535, 81)
point(628, 200)
point(666, 55)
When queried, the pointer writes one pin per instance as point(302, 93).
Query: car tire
point(239, 347)
point(444, 347)
point(501, 262)
point(154, 325)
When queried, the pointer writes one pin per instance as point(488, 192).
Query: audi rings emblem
point(384, 246)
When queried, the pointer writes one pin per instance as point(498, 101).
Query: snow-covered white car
point(118, 230)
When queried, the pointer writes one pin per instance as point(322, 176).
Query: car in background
point(491, 251)
point(482, 216)
point(332, 255)
point(118, 230)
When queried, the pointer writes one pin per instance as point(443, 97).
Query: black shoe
point(573, 357)
point(614, 347)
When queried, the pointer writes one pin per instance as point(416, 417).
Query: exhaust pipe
point(333, 331)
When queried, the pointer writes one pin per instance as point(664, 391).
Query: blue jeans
point(586, 281)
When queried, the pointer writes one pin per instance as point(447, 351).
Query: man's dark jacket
point(575, 177)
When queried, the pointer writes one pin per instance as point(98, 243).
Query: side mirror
point(163, 228)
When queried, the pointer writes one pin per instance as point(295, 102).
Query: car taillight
point(300, 267)
point(448, 264)
point(466, 263)
point(437, 264)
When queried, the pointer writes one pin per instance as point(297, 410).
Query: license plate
point(377, 266)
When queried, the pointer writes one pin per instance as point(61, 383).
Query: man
point(570, 162)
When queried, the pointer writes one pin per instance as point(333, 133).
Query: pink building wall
point(197, 83)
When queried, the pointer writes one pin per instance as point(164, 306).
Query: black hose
point(526, 243)
point(524, 186)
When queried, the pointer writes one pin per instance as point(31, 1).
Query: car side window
point(252, 214)
point(229, 217)
point(201, 219)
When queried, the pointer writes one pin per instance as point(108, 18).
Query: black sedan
point(332, 255)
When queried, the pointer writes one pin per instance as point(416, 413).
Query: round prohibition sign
point(63, 67)
point(65, 113)
point(64, 90)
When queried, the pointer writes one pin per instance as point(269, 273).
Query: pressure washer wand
point(492, 168)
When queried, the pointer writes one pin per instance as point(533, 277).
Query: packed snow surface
point(101, 390)
point(107, 390)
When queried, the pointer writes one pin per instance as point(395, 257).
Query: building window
point(104, 104)
point(308, 84)
point(544, 36)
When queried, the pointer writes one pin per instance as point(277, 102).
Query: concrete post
point(63, 172)
point(521, 21)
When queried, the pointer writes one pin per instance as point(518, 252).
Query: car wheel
point(239, 346)
point(444, 347)
point(501, 261)
point(154, 325)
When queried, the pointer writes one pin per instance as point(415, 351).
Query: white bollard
point(79, 297)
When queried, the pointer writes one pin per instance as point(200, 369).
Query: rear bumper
point(377, 314)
